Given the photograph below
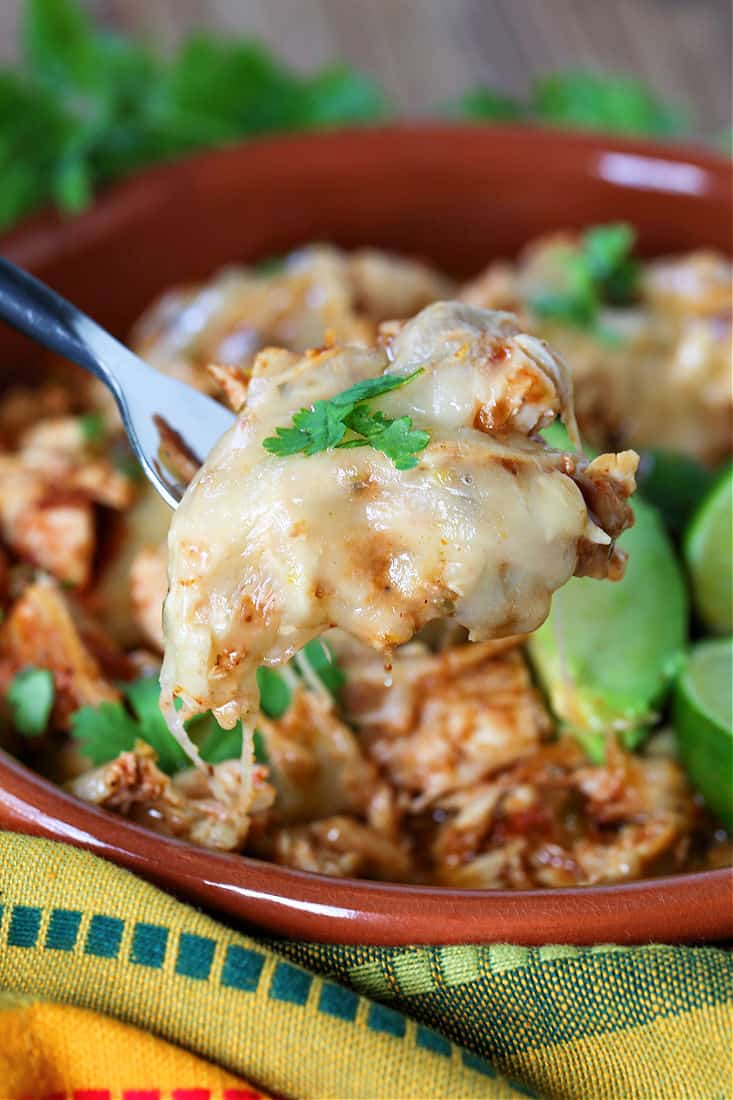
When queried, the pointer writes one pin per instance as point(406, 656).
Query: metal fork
point(154, 407)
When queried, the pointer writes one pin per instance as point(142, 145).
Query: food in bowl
point(458, 773)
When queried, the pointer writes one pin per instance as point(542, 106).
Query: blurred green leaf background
point(85, 106)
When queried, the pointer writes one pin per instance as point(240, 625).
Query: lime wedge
point(708, 549)
point(703, 719)
point(608, 652)
point(675, 484)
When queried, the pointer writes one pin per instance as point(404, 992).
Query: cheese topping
point(267, 552)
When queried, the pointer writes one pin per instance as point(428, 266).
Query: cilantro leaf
point(90, 106)
point(144, 698)
point(600, 101)
point(275, 695)
point(287, 441)
point(602, 270)
point(631, 739)
point(366, 423)
point(218, 745)
point(92, 427)
point(30, 698)
point(578, 99)
point(487, 105)
point(325, 424)
point(321, 659)
point(369, 388)
point(400, 442)
point(104, 731)
point(607, 252)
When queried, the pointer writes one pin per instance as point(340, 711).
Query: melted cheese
point(267, 552)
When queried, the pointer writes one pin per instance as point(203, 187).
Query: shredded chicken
point(660, 377)
point(40, 632)
point(204, 808)
point(266, 552)
point(555, 820)
point(319, 768)
point(447, 720)
point(148, 586)
point(340, 846)
point(318, 294)
point(48, 486)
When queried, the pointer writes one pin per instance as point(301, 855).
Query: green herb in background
point(30, 698)
point(320, 657)
point(601, 271)
point(584, 100)
point(88, 106)
point(92, 427)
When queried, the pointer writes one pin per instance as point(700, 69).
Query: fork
point(154, 407)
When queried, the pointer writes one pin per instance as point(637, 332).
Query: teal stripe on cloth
point(536, 1001)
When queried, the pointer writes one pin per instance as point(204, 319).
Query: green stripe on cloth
point(538, 997)
point(315, 1020)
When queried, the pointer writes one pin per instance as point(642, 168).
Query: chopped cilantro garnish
point(607, 252)
point(129, 466)
point(321, 659)
point(601, 101)
point(30, 699)
point(92, 427)
point(275, 695)
point(600, 271)
point(218, 745)
point(104, 731)
point(347, 421)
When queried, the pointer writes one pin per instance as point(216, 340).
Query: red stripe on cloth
point(191, 1094)
point(91, 1094)
point(241, 1094)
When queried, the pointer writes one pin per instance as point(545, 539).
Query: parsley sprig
point(346, 420)
point(601, 271)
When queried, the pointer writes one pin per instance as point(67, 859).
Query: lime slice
point(703, 719)
point(708, 550)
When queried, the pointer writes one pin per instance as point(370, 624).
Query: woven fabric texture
point(313, 1020)
point(55, 1050)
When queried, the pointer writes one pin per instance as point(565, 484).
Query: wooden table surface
point(425, 51)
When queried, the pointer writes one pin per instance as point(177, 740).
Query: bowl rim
point(43, 232)
point(344, 910)
point(694, 905)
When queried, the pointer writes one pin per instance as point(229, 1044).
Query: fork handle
point(39, 312)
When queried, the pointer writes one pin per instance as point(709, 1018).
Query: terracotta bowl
point(458, 196)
